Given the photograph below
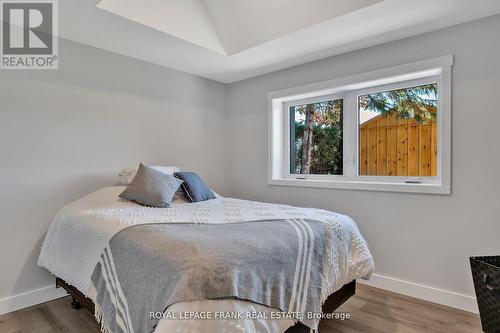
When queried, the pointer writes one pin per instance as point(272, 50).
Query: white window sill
point(432, 188)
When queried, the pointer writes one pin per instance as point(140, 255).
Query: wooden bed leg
point(79, 299)
point(75, 304)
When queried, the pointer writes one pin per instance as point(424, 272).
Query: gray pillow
point(151, 187)
point(195, 188)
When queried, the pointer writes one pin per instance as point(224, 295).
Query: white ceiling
point(231, 40)
point(230, 26)
point(185, 19)
point(243, 24)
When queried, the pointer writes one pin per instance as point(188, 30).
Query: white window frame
point(437, 70)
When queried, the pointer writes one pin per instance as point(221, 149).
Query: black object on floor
point(486, 275)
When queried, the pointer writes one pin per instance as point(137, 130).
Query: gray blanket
point(147, 268)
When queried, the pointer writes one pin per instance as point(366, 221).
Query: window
point(398, 132)
point(385, 130)
point(316, 138)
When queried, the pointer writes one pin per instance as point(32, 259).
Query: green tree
point(318, 138)
point(418, 102)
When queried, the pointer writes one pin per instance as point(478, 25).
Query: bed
point(82, 232)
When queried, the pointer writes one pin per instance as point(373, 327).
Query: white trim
point(436, 70)
point(30, 298)
point(414, 70)
point(427, 293)
point(361, 185)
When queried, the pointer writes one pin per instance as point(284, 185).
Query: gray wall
point(421, 238)
point(65, 133)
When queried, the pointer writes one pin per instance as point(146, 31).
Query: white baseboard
point(431, 294)
point(30, 298)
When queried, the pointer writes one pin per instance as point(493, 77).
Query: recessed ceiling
point(231, 26)
point(243, 24)
point(185, 19)
point(231, 40)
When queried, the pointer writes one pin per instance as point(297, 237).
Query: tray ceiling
point(231, 26)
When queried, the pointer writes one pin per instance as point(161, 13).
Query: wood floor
point(372, 310)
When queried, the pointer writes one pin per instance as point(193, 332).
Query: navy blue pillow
point(194, 187)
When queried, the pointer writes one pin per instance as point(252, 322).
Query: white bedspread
point(81, 230)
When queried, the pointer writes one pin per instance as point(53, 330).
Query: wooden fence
point(397, 147)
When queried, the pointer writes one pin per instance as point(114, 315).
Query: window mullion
point(350, 135)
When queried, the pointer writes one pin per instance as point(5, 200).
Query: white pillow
point(127, 174)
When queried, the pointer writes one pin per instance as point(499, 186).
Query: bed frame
point(332, 303)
